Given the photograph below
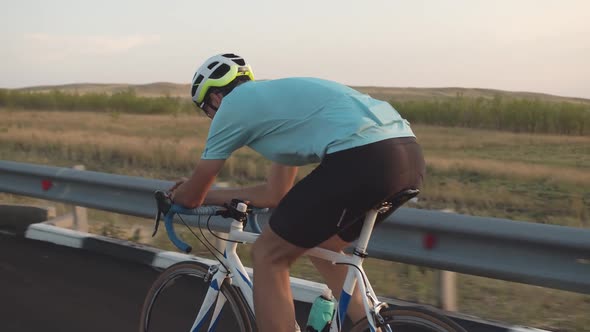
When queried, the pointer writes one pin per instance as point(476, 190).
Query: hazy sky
point(525, 45)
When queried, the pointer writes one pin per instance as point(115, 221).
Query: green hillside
point(385, 93)
point(450, 107)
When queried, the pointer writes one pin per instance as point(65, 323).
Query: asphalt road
point(47, 287)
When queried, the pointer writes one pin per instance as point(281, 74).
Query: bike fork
point(213, 296)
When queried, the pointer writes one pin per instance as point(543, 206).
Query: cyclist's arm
point(192, 192)
point(279, 181)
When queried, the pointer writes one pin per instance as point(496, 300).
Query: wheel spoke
point(174, 300)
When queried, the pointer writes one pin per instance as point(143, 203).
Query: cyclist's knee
point(271, 249)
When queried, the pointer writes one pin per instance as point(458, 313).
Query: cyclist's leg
point(344, 186)
point(334, 276)
point(273, 302)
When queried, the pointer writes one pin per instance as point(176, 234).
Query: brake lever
point(163, 202)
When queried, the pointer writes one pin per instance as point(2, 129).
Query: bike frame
point(238, 276)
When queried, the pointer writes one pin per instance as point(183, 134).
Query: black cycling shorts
point(335, 196)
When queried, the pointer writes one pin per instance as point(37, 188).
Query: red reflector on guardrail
point(429, 241)
point(46, 184)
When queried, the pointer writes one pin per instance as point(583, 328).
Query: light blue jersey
point(297, 121)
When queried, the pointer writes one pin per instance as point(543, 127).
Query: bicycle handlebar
point(169, 224)
point(167, 208)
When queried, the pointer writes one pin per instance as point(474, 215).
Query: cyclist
point(365, 153)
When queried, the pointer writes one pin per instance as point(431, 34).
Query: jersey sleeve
point(228, 132)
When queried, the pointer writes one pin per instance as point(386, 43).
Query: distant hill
point(385, 93)
point(404, 94)
point(146, 90)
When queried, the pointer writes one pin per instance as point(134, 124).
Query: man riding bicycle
point(366, 153)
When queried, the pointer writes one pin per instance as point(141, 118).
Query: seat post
point(366, 231)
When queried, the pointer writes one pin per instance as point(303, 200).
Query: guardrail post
point(447, 290)
point(447, 287)
point(80, 222)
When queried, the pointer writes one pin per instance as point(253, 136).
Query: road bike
point(194, 296)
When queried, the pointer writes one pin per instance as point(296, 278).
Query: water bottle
point(322, 312)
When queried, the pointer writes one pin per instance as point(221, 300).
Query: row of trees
point(124, 101)
point(518, 115)
point(509, 114)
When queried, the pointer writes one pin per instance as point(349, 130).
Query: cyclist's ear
point(215, 99)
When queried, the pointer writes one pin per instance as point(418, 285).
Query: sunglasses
point(207, 113)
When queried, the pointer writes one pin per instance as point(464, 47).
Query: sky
point(516, 45)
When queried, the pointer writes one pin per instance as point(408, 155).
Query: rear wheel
point(174, 300)
point(411, 319)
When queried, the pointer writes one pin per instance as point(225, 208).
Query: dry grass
point(181, 138)
point(525, 171)
point(144, 145)
point(147, 148)
point(143, 126)
point(457, 138)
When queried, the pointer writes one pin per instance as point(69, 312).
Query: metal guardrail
point(531, 253)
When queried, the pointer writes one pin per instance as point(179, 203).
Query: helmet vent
point(199, 79)
point(220, 71)
point(240, 61)
point(196, 85)
point(235, 58)
point(212, 65)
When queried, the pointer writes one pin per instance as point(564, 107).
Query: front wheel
point(411, 319)
point(176, 296)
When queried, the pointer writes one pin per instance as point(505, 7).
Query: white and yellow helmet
point(218, 71)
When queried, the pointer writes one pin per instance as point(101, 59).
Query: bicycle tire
point(173, 301)
point(412, 319)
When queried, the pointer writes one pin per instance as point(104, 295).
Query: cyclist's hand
point(177, 184)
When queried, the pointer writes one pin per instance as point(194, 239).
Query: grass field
point(541, 178)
